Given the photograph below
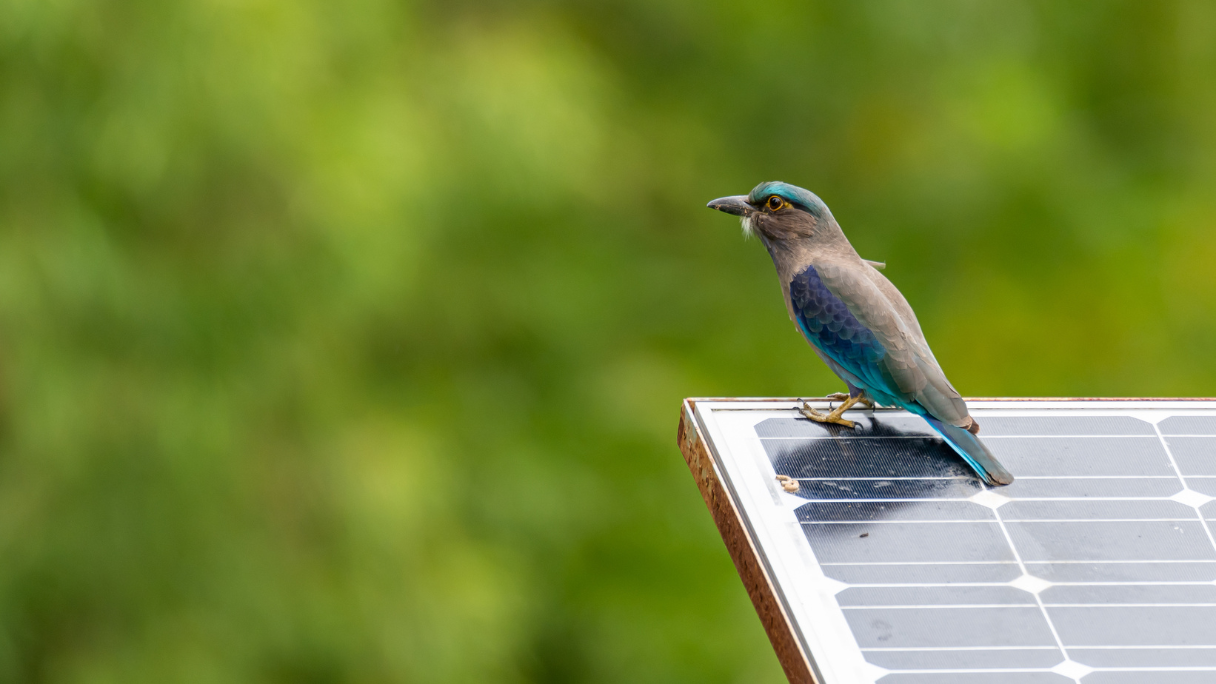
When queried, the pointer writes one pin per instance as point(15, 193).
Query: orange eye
point(775, 203)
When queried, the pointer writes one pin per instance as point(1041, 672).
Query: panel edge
point(742, 548)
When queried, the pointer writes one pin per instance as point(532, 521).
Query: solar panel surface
point(1097, 566)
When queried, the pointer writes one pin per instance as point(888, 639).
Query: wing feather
point(909, 362)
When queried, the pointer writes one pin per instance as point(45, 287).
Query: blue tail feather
point(973, 452)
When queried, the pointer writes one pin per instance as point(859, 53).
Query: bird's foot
point(834, 417)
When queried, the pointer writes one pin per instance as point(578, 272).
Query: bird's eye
point(775, 203)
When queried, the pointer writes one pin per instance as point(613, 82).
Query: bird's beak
point(736, 205)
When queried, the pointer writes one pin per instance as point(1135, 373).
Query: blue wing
point(828, 324)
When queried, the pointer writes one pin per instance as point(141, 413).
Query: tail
point(973, 452)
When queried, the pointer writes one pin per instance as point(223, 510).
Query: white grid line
point(923, 649)
point(1042, 609)
point(1132, 605)
point(990, 522)
point(929, 649)
point(1198, 513)
point(1028, 670)
point(997, 670)
point(957, 606)
point(1179, 647)
point(931, 585)
point(943, 606)
point(1029, 562)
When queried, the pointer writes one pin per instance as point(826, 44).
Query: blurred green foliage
point(344, 342)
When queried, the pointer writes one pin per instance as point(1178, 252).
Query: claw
point(833, 417)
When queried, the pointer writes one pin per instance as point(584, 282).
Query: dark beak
point(736, 205)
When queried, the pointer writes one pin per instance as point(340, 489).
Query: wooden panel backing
point(742, 549)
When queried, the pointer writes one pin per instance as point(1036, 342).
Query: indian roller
point(856, 320)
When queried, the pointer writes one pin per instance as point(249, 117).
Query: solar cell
point(893, 563)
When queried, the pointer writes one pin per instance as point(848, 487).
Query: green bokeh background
point(344, 342)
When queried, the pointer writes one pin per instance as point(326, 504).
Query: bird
point(856, 320)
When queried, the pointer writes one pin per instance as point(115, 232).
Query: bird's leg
point(834, 417)
point(855, 391)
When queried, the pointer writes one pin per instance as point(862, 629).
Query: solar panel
point(893, 563)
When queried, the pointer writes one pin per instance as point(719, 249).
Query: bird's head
point(779, 212)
